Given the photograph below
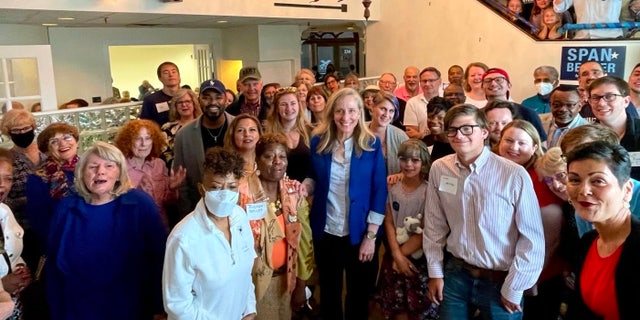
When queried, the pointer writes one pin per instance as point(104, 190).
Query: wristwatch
point(370, 235)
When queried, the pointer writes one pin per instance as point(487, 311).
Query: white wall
point(446, 32)
point(245, 8)
point(81, 55)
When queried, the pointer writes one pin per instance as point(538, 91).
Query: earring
point(570, 202)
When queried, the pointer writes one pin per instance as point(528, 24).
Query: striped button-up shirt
point(487, 215)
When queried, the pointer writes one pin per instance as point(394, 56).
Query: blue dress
point(105, 261)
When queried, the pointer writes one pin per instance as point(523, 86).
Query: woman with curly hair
point(184, 107)
point(141, 142)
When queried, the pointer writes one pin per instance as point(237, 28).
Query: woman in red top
point(520, 143)
point(600, 189)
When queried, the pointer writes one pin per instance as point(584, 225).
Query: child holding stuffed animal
point(402, 287)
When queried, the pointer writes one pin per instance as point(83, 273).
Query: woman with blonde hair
point(473, 84)
point(106, 245)
point(184, 107)
point(287, 117)
point(348, 182)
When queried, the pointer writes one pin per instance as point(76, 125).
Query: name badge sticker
point(162, 107)
point(256, 211)
point(448, 185)
point(635, 158)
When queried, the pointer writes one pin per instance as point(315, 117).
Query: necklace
point(215, 137)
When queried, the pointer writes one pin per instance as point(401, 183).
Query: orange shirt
point(279, 253)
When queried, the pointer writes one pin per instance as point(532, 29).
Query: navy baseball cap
point(213, 84)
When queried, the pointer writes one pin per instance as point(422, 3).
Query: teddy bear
point(410, 225)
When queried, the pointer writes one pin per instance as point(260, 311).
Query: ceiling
point(113, 19)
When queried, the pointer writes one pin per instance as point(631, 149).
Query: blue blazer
point(367, 189)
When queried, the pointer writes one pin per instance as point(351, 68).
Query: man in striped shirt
point(483, 236)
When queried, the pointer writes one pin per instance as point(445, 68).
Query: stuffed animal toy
point(410, 226)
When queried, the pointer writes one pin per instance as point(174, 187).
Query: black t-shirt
point(213, 137)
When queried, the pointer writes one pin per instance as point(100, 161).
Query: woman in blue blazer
point(348, 181)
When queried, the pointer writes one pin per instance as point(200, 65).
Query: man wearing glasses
point(496, 84)
point(587, 73)
point(483, 236)
point(565, 110)
point(609, 98)
point(415, 116)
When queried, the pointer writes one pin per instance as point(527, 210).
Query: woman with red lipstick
point(141, 142)
point(285, 254)
point(184, 107)
point(600, 190)
point(521, 144)
point(287, 118)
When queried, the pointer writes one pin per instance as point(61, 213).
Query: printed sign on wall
point(611, 59)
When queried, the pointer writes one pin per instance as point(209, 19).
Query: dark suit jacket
point(367, 189)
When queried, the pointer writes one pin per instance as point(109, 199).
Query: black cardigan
point(627, 277)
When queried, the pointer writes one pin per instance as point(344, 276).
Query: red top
point(544, 195)
point(598, 284)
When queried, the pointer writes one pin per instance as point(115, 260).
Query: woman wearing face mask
point(209, 256)
point(20, 126)
point(106, 244)
point(141, 142)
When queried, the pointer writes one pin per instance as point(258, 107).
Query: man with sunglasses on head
point(496, 84)
point(609, 98)
point(483, 236)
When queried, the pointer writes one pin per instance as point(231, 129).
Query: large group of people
point(430, 200)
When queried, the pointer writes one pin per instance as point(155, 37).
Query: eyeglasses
point(386, 82)
point(466, 130)
point(498, 80)
point(185, 102)
point(54, 142)
point(608, 97)
point(568, 105)
point(21, 130)
point(560, 177)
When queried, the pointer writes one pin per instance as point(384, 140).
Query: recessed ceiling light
point(66, 18)
point(349, 28)
point(49, 24)
point(222, 21)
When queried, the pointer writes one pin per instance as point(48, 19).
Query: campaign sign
point(611, 59)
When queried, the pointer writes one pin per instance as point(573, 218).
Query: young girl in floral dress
point(402, 288)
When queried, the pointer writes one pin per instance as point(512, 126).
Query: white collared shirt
point(204, 277)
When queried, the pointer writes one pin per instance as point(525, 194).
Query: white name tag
point(256, 211)
point(635, 158)
point(162, 107)
point(448, 185)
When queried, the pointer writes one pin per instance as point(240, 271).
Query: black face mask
point(24, 139)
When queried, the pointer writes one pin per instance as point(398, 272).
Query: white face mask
point(221, 202)
point(544, 88)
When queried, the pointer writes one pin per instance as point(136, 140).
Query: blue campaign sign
point(611, 59)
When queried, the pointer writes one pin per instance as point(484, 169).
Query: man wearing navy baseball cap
point(193, 139)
